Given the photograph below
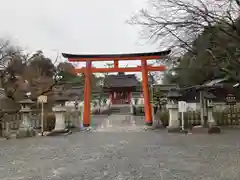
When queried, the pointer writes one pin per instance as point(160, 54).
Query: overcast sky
point(74, 26)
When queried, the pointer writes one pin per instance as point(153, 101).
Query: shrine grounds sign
point(182, 108)
point(230, 99)
point(42, 99)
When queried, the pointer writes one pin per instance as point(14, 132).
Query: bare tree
point(177, 23)
point(180, 25)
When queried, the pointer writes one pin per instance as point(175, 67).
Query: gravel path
point(118, 155)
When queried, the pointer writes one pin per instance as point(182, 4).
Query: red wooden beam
point(115, 63)
point(127, 69)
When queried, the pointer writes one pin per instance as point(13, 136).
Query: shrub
point(49, 124)
point(163, 117)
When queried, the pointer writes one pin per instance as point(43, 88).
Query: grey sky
point(74, 26)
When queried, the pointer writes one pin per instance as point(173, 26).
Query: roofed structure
point(121, 80)
point(219, 88)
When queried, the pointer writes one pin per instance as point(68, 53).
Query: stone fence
point(226, 117)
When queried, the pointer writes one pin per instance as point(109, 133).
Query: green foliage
point(40, 64)
point(214, 54)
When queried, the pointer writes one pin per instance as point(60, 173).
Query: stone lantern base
point(174, 123)
point(211, 127)
point(60, 127)
point(24, 132)
point(25, 129)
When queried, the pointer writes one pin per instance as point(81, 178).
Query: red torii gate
point(144, 68)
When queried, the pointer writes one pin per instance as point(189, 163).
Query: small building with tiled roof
point(120, 87)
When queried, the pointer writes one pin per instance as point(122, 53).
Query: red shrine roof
point(120, 80)
point(99, 57)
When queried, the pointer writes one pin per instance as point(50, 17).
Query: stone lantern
point(209, 97)
point(25, 128)
point(173, 97)
point(59, 109)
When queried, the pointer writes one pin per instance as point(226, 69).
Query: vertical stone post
point(204, 96)
point(211, 120)
point(132, 109)
point(77, 109)
point(81, 114)
point(212, 125)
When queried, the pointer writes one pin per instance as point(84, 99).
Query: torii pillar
point(146, 95)
point(87, 95)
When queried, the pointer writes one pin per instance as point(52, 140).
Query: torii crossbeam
point(144, 68)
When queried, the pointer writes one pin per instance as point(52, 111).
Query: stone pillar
point(59, 118)
point(211, 120)
point(156, 121)
point(203, 109)
point(77, 121)
point(174, 124)
point(153, 114)
point(7, 133)
point(132, 109)
point(212, 126)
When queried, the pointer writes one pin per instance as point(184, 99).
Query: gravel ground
point(120, 155)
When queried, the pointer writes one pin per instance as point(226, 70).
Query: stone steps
point(120, 109)
point(121, 123)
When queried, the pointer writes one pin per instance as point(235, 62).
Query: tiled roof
point(160, 53)
point(121, 80)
